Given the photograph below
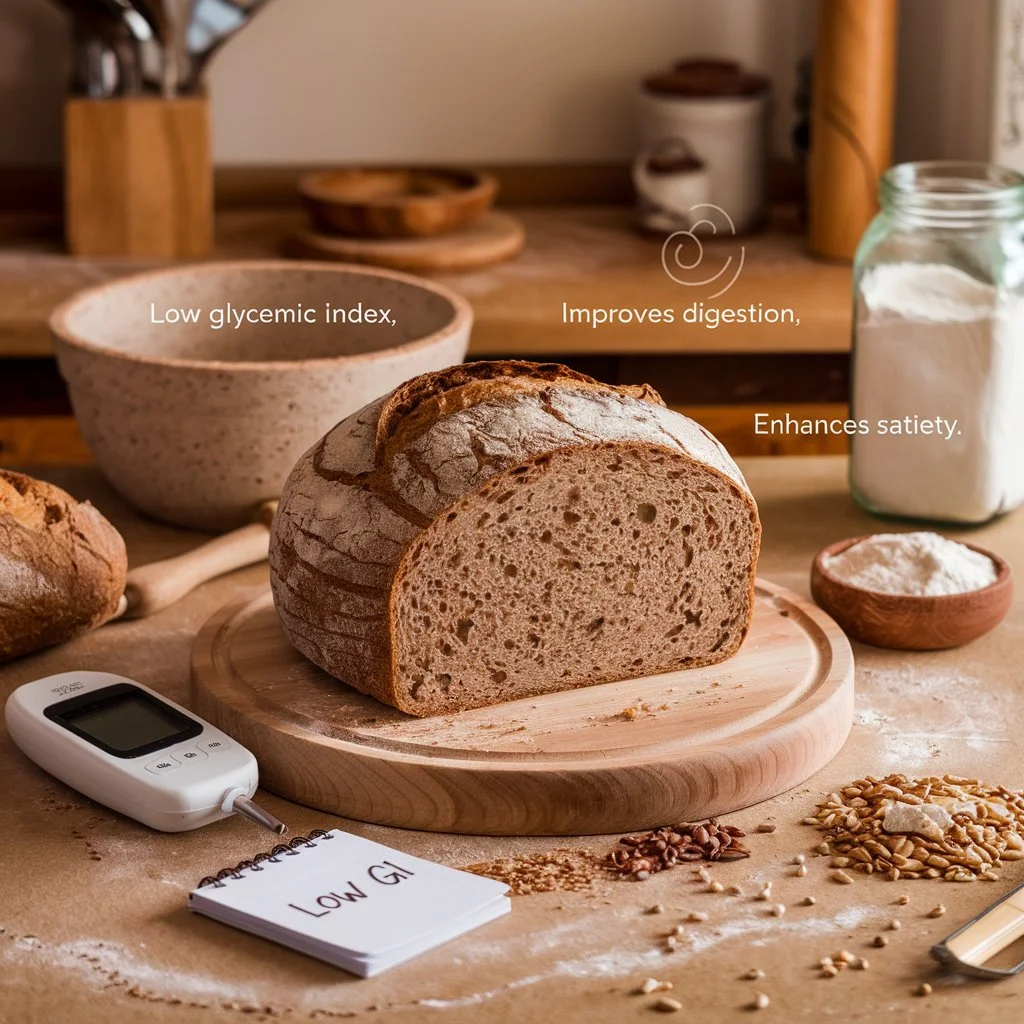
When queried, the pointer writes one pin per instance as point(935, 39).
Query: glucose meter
point(134, 751)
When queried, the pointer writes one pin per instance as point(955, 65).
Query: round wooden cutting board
point(610, 758)
point(491, 239)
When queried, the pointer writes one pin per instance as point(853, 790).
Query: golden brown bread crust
point(62, 565)
point(358, 501)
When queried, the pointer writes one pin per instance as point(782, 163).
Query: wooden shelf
point(580, 256)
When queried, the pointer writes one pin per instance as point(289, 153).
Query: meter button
point(192, 755)
point(213, 746)
point(163, 764)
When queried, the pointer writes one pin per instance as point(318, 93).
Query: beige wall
point(490, 80)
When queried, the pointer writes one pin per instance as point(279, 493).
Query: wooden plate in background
point(491, 239)
point(703, 742)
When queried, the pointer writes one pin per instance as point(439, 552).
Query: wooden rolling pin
point(151, 588)
point(851, 121)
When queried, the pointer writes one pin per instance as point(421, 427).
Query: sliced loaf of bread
point(501, 530)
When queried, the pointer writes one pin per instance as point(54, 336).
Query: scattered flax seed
point(778, 910)
point(665, 847)
point(696, 916)
point(760, 1002)
point(841, 877)
point(754, 974)
point(924, 989)
point(880, 941)
point(902, 900)
point(716, 887)
point(563, 869)
point(766, 827)
point(808, 901)
point(937, 911)
point(895, 925)
point(666, 1004)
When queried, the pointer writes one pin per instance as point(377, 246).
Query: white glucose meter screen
point(127, 724)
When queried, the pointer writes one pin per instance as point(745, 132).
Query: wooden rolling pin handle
point(153, 587)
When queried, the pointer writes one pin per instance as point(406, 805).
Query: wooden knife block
point(138, 177)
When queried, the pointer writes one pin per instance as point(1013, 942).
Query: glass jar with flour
point(938, 345)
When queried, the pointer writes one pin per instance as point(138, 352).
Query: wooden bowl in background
point(911, 623)
point(396, 202)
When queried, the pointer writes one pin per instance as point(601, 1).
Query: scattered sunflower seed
point(841, 877)
point(880, 941)
point(937, 911)
point(696, 916)
point(716, 887)
point(801, 871)
point(778, 910)
point(902, 900)
point(760, 1002)
point(808, 901)
point(656, 909)
point(754, 974)
point(653, 985)
point(766, 827)
point(799, 859)
point(924, 989)
point(895, 925)
point(666, 1004)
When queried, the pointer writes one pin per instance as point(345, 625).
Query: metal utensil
point(106, 55)
point(971, 946)
point(210, 25)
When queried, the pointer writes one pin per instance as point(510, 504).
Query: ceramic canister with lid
point(720, 113)
point(938, 345)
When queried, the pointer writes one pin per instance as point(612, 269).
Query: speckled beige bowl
point(197, 426)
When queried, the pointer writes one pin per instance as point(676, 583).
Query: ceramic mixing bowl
point(196, 424)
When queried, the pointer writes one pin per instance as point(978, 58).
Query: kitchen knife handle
point(150, 588)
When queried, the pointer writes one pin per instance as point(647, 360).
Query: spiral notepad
point(352, 902)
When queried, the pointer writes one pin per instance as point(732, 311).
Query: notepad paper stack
point(352, 902)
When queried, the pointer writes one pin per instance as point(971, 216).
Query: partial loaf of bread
point(500, 530)
point(62, 565)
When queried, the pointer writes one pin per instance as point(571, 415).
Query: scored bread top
point(358, 499)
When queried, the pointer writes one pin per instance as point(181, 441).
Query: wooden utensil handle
point(153, 587)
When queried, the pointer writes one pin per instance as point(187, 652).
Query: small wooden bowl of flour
point(912, 591)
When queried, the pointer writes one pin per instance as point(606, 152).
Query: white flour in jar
point(915, 564)
point(934, 341)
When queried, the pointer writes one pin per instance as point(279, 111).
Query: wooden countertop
point(580, 256)
point(93, 925)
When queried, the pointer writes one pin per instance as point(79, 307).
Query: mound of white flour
point(915, 564)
